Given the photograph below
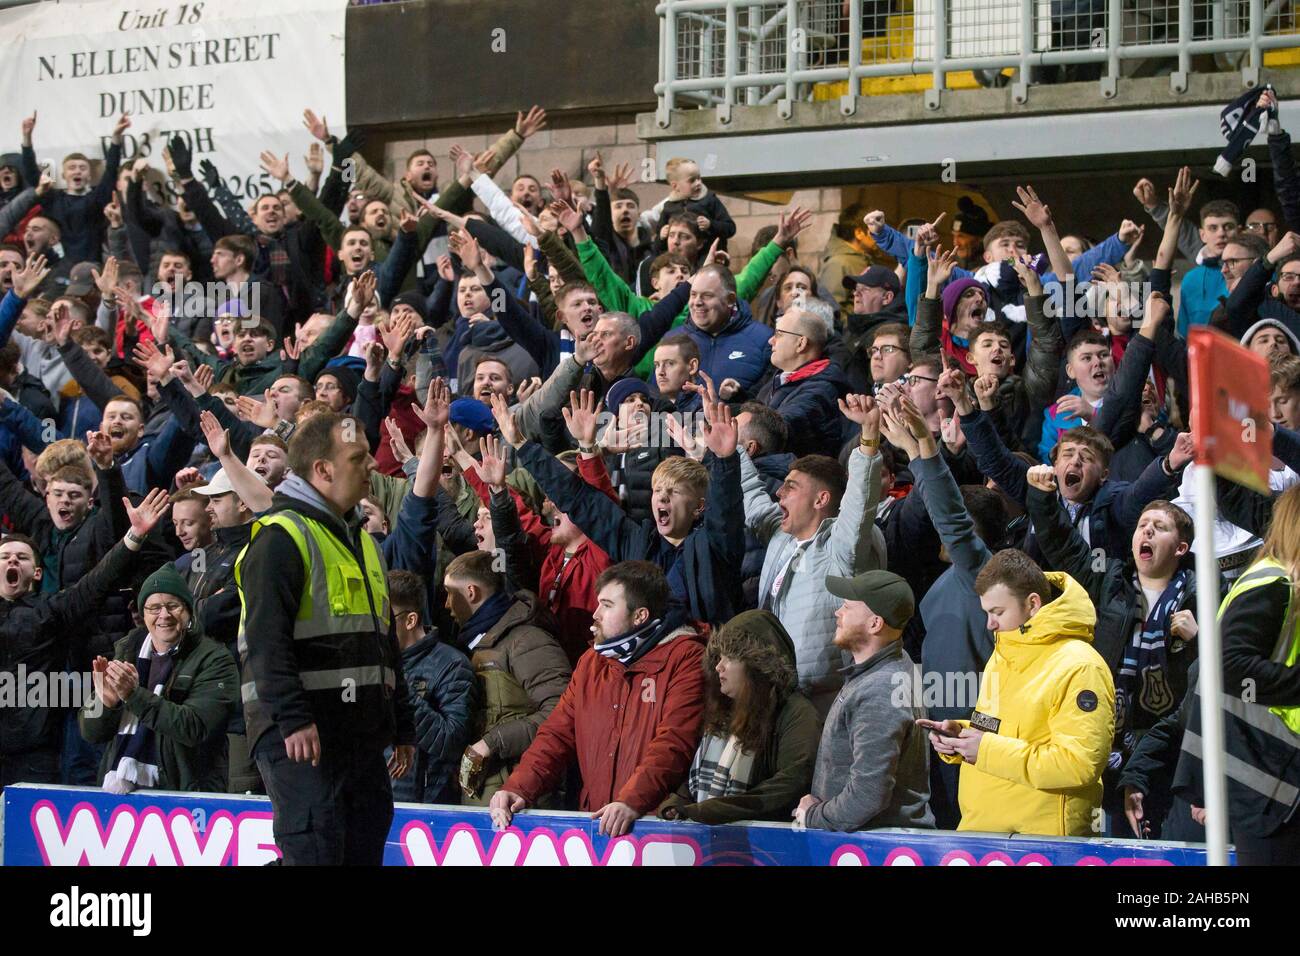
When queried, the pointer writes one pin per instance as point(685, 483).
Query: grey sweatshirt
point(873, 765)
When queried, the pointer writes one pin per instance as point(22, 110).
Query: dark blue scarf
point(485, 618)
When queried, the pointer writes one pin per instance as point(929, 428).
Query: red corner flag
point(1230, 395)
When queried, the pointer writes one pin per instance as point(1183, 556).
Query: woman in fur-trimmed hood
point(760, 733)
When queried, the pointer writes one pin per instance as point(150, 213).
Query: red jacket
point(411, 425)
point(633, 729)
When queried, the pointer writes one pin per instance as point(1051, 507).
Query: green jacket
point(617, 297)
point(189, 718)
point(248, 379)
point(329, 225)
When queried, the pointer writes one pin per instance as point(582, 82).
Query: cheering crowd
point(900, 541)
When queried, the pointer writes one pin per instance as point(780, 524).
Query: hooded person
point(490, 339)
point(760, 733)
point(1033, 752)
point(11, 177)
point(163, 702)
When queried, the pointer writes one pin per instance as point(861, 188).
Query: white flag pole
point(1211, 670)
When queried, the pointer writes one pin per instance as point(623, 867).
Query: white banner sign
point(231, 77)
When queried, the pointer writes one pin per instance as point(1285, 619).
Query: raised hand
point(1076, 405)
point(204, 376)
point(952, 386)
point(465, 246)
point(723, 432)
point(144, 518)
point(560, 187)
point(436, 410)
point(485, 160)
point(214, 436)
point(581, 416)
point(157, 363)
point(316, 125)
point(505, 421)
point(408, 222)
point(120, 127)
point(862, 411)
point(1042, 477)
point(362, 293)
point(395, 334)
point(261, 414)
point(1181, 193)
point(939, 269)
point(46, 183)
point(445, 269)
point(1183, 452)
point(527, 125)
point(1145, 192)
point(179, 158)
point(986, 391)
point(530, 261)
point(100, 447)
point(927, 236)
point(570, 217)
point(315, 159)
point(952, 435)
point(899, 435)
point(1130, 233)
point(791, 224)
point(397, 441)
point(28, 126)
point(209, 173)
point(1028, 276)
point(275, 165)
point(597, 169)
point(492, 462)
point(527, 387)
point(113, 213)
point(29, 278)
point(1033, 208)
point(621, 178)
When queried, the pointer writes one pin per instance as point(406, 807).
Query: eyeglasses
point(884, 350)
point(786, 332)
point(1231, 262)
point(1260, 226)
point(171, 607)
point(913, 379)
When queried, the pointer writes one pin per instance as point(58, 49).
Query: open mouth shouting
point(663, 518)
point(1073, 479)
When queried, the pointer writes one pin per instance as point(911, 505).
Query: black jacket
point(1115, 595)
point(79, 552)
point(272, 577)
point(34, 635)
point(809, 403)
point(212, 582)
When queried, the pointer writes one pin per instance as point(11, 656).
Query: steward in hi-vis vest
point(323, 689)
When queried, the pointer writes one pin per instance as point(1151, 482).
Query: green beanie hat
point(166, 580)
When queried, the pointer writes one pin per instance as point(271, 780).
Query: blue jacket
point(740, 350)
point(810, 406)
point(19, 429)
point(154, 462)
point(1111, 515)
point(707, 580)
point(1199, 295)
point(443, 691)
point(1055, 422)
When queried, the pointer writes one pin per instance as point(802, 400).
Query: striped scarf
point(1142, 681)
point(626, 648)
point(721, 768)
point(135, 764)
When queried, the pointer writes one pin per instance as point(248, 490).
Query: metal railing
point(720, 53)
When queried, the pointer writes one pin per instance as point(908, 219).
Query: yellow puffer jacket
point(1052, 700)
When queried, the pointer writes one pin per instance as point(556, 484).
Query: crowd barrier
point(72, 826)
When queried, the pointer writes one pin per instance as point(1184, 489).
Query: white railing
point(720, 53)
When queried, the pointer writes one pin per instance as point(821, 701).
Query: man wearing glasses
point(1265, 286)
point(808, 384)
